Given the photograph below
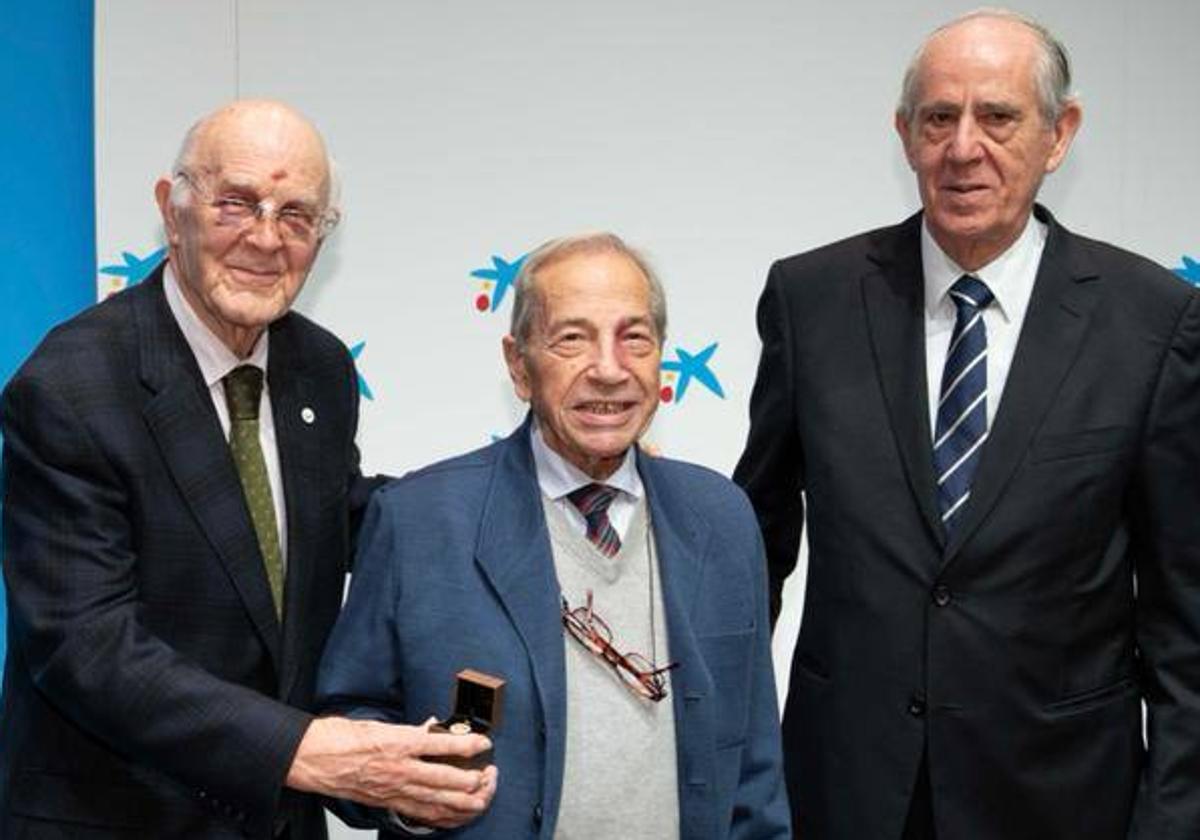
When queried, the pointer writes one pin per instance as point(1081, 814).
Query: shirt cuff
point(396, 821)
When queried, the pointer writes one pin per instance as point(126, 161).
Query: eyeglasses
point(296, 223)
point(636, 673)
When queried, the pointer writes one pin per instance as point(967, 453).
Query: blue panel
point(47, 209)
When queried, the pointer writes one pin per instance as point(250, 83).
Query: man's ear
point(1065, 127)
point(517, 368)
point(162, 195)
point(902, 127)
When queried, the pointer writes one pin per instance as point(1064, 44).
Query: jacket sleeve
point(771, 469)
point(71, 564)
point(760, 809)
point(1165, 545)
point(360, 669)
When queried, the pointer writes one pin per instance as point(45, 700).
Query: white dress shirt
point(215, 361)
point(557, 477)
point(1010, 276)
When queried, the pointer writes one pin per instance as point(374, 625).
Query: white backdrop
point(717, 136)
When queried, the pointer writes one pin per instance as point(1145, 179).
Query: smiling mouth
point(254, 275)
point(605, 407)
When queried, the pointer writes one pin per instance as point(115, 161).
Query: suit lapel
point(513, 553)
point(1055, 325)
point(297, 441)
point(681, 539)
point(184, 425)
point(893, 294)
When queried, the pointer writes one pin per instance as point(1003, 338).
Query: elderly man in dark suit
point(995, 425)
point(179, 476)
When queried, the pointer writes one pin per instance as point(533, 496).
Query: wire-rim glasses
point(637, 673)
point(295, 222)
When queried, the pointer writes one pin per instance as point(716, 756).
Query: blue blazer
point(455, 571)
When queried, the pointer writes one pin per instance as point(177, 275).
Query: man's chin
point(252, 310)
point(607, 447)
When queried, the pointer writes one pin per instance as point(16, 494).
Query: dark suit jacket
point(455, 571)
point(149, 687)
point(1019, 650)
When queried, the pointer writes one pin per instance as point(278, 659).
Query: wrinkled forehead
point(1005, 51)
point(601, 280)
point(268, 150)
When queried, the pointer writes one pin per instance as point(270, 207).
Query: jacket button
point(537, 814)
point(916, 707)
point(941, 595)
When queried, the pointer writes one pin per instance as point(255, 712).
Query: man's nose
point(964, 143)
point(607, 364)
point(264, 231)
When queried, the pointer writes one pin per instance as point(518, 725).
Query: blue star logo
point(691, 366)
point(501, 274)
point(1189, 271)
point(135, 269)
point(363, 388)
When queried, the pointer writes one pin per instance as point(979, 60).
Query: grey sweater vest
point(619, 778)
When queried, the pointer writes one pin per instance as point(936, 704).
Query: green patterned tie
point(243, 388)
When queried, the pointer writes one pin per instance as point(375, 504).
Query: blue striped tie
point(962, 407)
point(593, 500)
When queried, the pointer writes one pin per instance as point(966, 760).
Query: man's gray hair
point(1052, 74)
point(185, 161)
point(527, 302)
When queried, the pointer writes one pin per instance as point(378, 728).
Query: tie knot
point(970, 292)
point(592, 499)
point(243, 389)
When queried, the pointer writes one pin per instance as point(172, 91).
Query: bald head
point(1049, 62)
point(275, 126)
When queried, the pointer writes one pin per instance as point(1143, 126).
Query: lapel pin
point(308, 415)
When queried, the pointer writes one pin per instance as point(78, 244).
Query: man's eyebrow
point(940, 105)
point(242, 185)
point(999, 107)
point(636, 321)
point(586, 324)
point(578, 321)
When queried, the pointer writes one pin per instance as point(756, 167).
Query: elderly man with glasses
point(622, 598)
point(180, 474)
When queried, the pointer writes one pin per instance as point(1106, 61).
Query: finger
point(434, 775)
point(489, 782)
point(490, 775)
point(469, 804)
point(442, 809)
point(438, 743)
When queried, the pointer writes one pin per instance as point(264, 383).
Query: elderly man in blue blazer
point(621, 597)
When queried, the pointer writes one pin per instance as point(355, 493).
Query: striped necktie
point(243, 389)
point(962, 406)
point(593, 500)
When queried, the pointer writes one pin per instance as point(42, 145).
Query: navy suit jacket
point(149, 689)
point(455, 571)
point(1016, 652)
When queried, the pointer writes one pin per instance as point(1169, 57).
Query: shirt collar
point(214, 358)
point(1010, 276)
point(557, 476)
